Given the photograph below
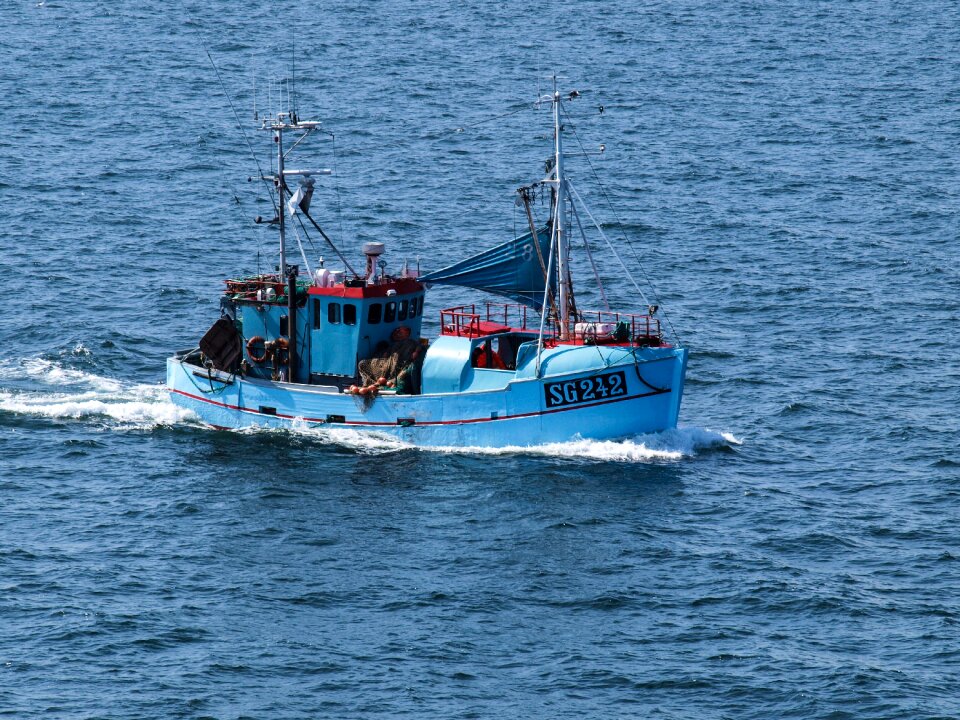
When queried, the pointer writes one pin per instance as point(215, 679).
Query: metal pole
point(543, 311)
point(288, 274)
point(292, 323)
point(525, 197)
point(278, 139)
point(563, 249)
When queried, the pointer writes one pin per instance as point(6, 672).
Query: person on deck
point(484, 356)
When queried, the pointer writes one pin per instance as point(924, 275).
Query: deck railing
point(590, 327)
point(462, 321)
point(254, 289)
point(595, 325)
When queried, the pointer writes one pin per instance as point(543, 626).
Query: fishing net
point(388, 362)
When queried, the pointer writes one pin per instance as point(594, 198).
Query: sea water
point(782, 178)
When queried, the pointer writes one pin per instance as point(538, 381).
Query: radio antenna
point(223, 88)
point(293, 70)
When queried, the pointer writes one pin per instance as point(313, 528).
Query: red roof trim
point(403, 286)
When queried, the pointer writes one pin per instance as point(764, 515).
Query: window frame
point(333, 313)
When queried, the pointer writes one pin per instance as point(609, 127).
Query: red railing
point(600, 327)
point(462, 321)
point(512, 315)
point(605, 326)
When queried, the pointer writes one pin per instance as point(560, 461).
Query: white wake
point(670, 445)
point(69, 393)
point(76, 394)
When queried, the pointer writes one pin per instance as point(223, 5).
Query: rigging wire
point(291, 100)
point(460, 129)
point(223, 88)
point(526, 106)
point(293, 72)
point(423, 136)
point(554, 235)
point(586, 246)
point(336, 183)
point(259, 234)
point(299, 217)
point(330, 243)
point(309, 239)
point(313, 247)
point(241, 208)
point(303, 255)
point(432, 136)
point(603, 190)
point(607, 240)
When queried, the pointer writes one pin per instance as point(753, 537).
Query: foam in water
point(138, 405)
point(670, 445)
point(141, 413)
point(94, 396)
point(365, 442)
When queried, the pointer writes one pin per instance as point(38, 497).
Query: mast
point(559, 240)
point(288, 273)
point(278, 139)
point(277, 124)
point(560, 212)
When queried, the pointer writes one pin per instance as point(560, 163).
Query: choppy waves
point(786, 175)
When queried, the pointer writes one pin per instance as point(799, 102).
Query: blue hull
point(596, 393)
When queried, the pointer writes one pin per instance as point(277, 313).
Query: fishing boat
point(342, 348)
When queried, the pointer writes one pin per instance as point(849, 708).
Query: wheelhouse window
point(374, 313)
point(316, 313)
point(487, 355)
point(349, 314)
point(402, 310)
point(390, 312)
point(333, 313)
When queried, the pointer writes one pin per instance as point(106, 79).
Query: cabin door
point(331, 354)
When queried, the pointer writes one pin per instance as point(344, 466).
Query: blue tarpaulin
point(511, 269)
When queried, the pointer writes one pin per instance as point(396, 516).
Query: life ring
point(251, 347)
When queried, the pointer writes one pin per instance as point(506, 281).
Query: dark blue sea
point(782, 178)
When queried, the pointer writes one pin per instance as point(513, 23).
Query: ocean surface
point(781, 177)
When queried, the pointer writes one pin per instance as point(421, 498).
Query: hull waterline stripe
point(424, 423)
